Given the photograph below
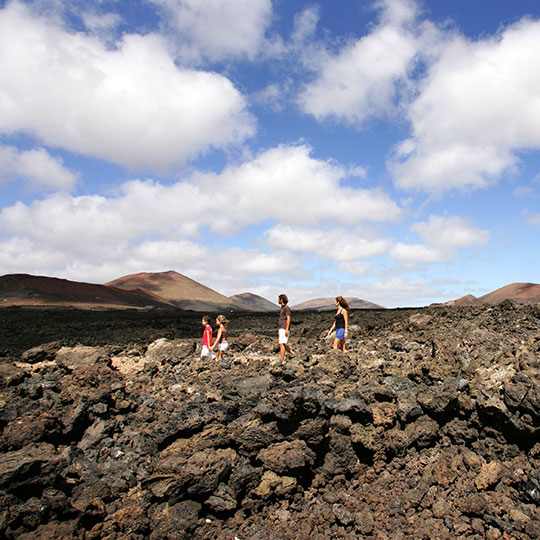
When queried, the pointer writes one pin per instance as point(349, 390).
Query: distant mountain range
point(327, 304)
point(528, 293)
point(254, 302)
point(27, 290)
point(142, 290)
point(178, 291)
point(171, 289)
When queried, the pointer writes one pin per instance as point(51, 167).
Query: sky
point(385, 150)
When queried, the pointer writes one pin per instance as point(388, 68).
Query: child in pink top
point(207, 339)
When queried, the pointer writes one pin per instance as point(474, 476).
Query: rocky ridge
point(426, 428)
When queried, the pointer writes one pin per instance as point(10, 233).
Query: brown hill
point(327, 304)
point(28, 290)
point(179, 290)
point(255, 302)
point(467, 300)
point(527, 293)
point(520, 292)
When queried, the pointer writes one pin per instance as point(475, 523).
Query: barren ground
point(113, 427)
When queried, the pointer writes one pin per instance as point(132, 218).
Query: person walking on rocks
point(206, 350)
point(283, 327)
point(341, 323)
point(221, 337)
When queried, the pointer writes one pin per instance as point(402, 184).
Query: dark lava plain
point(113, 427)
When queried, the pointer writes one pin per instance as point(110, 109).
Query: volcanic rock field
point(427, 428)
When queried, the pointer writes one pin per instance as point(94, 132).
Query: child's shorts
point(205, 351)
point(223, 346)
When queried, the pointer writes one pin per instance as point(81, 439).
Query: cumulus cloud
point(22, 255)
point(273, 96)
point(401, 291)
point(443, 236)
point(362, 80)
point(357, 269)
point(284, 185)
point(450, 232)
point(218, 29)
point(477, 108)
point(256, 263)
point(337, 244)
point(129, 104)
point(287, 185)
point(35, 168)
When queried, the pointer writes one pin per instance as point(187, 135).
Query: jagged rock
point(175, 521)
point(222, 500)
point(11, 375)
point(41, 353)
point(423, 432)
point(489, 475)
point(313, 431)
point(426, 428)
point(287, 457)
point(353, 407)
point(79, 356)
point(254, 435)
point(274, 485)
point(164, 351)
point(382, 413)
point(197, 474)
point(341, 457)
point(474, 504)
point(34, 465)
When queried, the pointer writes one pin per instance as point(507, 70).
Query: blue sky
point(385, 150)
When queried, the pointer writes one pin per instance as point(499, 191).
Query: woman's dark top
point(340, 320)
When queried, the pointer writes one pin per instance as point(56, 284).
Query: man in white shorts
point(283, 326)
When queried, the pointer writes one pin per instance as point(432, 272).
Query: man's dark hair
point(283, 298)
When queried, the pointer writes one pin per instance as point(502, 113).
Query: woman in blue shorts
point(341, 323)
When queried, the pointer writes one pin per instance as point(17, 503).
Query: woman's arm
point(346, 319)
point(331, 329)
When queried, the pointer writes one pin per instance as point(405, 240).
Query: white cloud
point(412, 254)
point(450, 233)
point(357, 269)
point(218, 29)
point(250, 262)
point(534, 219)
point(191, 258)
point(22, 255)
point(443, 237)
point(400, 292)
point(101, 24)
point(273, 96)
point(336, 244)
point(284, 185)
point(287, 185)
point(130, 105)
point(362, 80)
point(305, 24)
point(523, 191)
point(36, 168)
point(477, 107)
